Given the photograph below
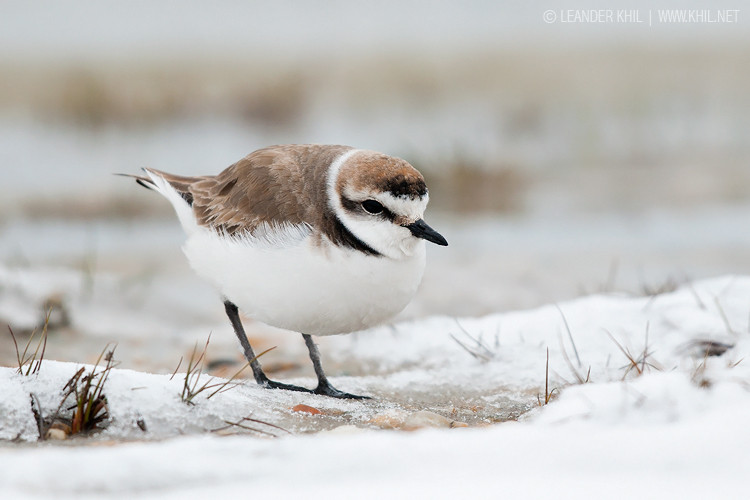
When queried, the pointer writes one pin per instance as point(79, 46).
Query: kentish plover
point(316, 239)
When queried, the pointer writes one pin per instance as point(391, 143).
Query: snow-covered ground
point(671, 425)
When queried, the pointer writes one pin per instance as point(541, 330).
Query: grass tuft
point(191, 387)
point(477, 347)
point(639, 364)
point(90, 409)
point(668, 285)
point(30, 363)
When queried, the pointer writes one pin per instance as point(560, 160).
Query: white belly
point(307, 288)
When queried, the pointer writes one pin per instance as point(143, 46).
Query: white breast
point(298, 285)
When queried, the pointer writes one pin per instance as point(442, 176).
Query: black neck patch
point(342, 236)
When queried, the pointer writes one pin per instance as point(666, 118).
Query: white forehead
point(411, 208)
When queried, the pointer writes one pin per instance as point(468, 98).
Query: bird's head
point(381, 200)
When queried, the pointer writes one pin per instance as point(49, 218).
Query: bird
point(310, 238)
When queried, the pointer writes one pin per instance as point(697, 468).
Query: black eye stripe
point(356, 207)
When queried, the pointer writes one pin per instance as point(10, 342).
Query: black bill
point(420, 229)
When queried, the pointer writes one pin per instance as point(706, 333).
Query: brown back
point(274, 185)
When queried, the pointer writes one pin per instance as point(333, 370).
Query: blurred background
point(563, 158)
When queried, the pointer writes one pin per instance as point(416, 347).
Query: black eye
point(372, 206)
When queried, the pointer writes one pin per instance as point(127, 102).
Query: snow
point(679, 429)
point(525, 461)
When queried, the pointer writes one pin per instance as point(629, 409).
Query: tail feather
point(180, 183)
point(139, 179)
point(176, 189)
point(144, 183)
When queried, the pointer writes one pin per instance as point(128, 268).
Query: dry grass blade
point(224, 386)
point(18, 354)
point(579, 378)
point(479, 350)
point(645, 352)
point(734, 364)
point(670, 284)
point(570, 336)
point(192, 377)
point(72, 381)
point(547, 393)
point(179, 364)
point(38, 362)
point(699, 374)
point(32, 362)
point(36, 410)
point(697, 297)
point(723, 315)
point(240, 424)
point(227, 384)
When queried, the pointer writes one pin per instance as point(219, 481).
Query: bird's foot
point(324, 389)
point(328, 390)
point(271, 384)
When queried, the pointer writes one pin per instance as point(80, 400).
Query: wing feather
point(277, 186)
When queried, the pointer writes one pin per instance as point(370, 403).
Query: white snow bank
point(668, 325)
point(696, 459)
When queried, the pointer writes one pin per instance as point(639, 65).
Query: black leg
point(325, 387)
point(260, 377)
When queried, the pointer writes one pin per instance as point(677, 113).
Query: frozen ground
point(672, 424)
